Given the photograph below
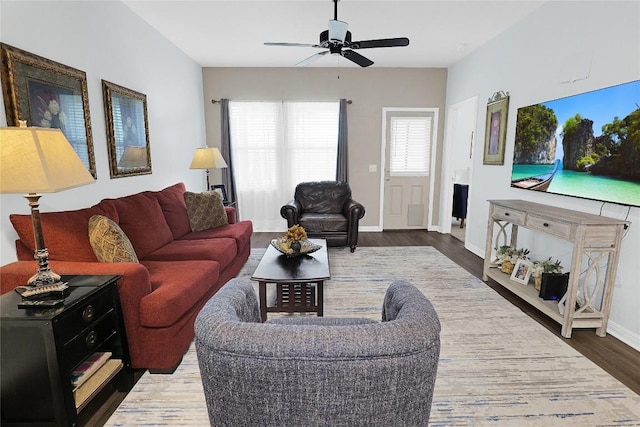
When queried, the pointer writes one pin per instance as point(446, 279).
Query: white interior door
point(408, 143)
point(458, 152)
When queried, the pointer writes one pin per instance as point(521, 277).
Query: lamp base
point(45, 283)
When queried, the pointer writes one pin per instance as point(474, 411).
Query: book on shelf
point(84, 371)
point(83, 394)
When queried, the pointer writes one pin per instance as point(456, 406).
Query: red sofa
point(179, 270)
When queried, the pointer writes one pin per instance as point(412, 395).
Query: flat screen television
point(585, 145)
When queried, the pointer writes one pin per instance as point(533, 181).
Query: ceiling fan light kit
point(337, 38)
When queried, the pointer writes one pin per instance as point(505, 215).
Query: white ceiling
point(218, 33)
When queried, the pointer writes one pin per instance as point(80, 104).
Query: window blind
point(410, 146)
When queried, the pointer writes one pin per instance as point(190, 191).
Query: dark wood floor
point(615, 357)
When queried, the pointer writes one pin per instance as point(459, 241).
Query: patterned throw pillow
point(109, 242)
point(205, 210)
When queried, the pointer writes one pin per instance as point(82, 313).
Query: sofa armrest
point(232, 215)
point(291, 211)
point(133, 285)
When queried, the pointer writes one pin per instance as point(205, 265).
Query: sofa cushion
point(324, 222)
point(221, 250)
point(177, 287)
point(141, 219)
point(65, 233)
point(173, 206)
point(109, 242)
point(205, 210)
point(240, 232)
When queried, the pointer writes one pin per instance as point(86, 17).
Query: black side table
point(40, 349)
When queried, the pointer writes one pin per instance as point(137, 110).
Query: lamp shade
point(38, 160)
point(207, 158)
point(133, 157)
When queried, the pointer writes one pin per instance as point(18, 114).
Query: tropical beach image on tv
point(585, 145)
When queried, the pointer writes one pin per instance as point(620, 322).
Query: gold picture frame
point(127, 131)
point(496, 129)
point(48, 94)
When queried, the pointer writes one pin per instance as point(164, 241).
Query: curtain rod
point(217, 101)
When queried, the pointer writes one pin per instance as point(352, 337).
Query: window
point(276, 145)
point(410, 146)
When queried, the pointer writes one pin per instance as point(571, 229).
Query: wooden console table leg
point(263, 300)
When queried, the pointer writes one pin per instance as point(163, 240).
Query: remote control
point(40, 303)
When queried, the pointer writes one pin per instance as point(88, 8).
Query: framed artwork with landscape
point(48, 94)
point(496, 129)
point(127, 130)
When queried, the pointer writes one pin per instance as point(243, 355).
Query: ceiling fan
point(337, 38)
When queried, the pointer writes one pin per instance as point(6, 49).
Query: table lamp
point(207, 158)
point(37, 160)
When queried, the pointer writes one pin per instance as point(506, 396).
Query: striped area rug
point(498, 367)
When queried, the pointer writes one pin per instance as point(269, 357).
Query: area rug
point(498, 367)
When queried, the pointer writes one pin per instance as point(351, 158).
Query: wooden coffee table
point(294, 279)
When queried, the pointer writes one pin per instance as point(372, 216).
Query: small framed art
point(496, 129)
point(522, 271)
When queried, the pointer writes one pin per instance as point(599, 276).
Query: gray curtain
point(342, 169)
point(225, 149)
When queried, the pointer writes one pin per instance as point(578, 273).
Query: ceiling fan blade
point(368, 44)
point(337, 30)
point(356, 57)
point(291, 44)
point(311, 59)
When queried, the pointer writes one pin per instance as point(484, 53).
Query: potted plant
point(547, 266)
point(508, 257)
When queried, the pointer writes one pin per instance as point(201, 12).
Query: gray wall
point(527, 60)
point(371, 89)
point(108, 41)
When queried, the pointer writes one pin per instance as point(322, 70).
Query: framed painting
point(496, 129)
point(50, 95)
point(127, 131)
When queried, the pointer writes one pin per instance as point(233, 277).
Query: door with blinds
point(408, 138)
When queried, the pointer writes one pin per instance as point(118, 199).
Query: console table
point(596, 241)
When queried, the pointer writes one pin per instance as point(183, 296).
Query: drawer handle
point(88, 313)
point(546, 224)
point(91, 339)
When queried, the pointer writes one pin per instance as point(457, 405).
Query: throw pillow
point(109, 242)
point(205, 210)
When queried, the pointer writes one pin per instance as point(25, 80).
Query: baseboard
point(370, 228)
point(624, 335)
point(474, 249)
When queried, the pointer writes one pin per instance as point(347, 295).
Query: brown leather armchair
point(326, 211)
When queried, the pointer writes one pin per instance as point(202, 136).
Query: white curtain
point(275, 146)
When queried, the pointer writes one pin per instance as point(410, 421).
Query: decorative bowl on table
point(284, 247)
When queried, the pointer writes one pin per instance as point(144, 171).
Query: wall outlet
point(373, 168)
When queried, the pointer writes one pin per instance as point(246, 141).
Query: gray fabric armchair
point(317, 371)
point(326, 211)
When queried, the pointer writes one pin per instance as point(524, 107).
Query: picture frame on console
point(522, 271)
point(127, 131)
point(496, 129)
point(48, 94)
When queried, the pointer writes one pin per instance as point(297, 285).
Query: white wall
point(108, 41)
point(526, 61)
